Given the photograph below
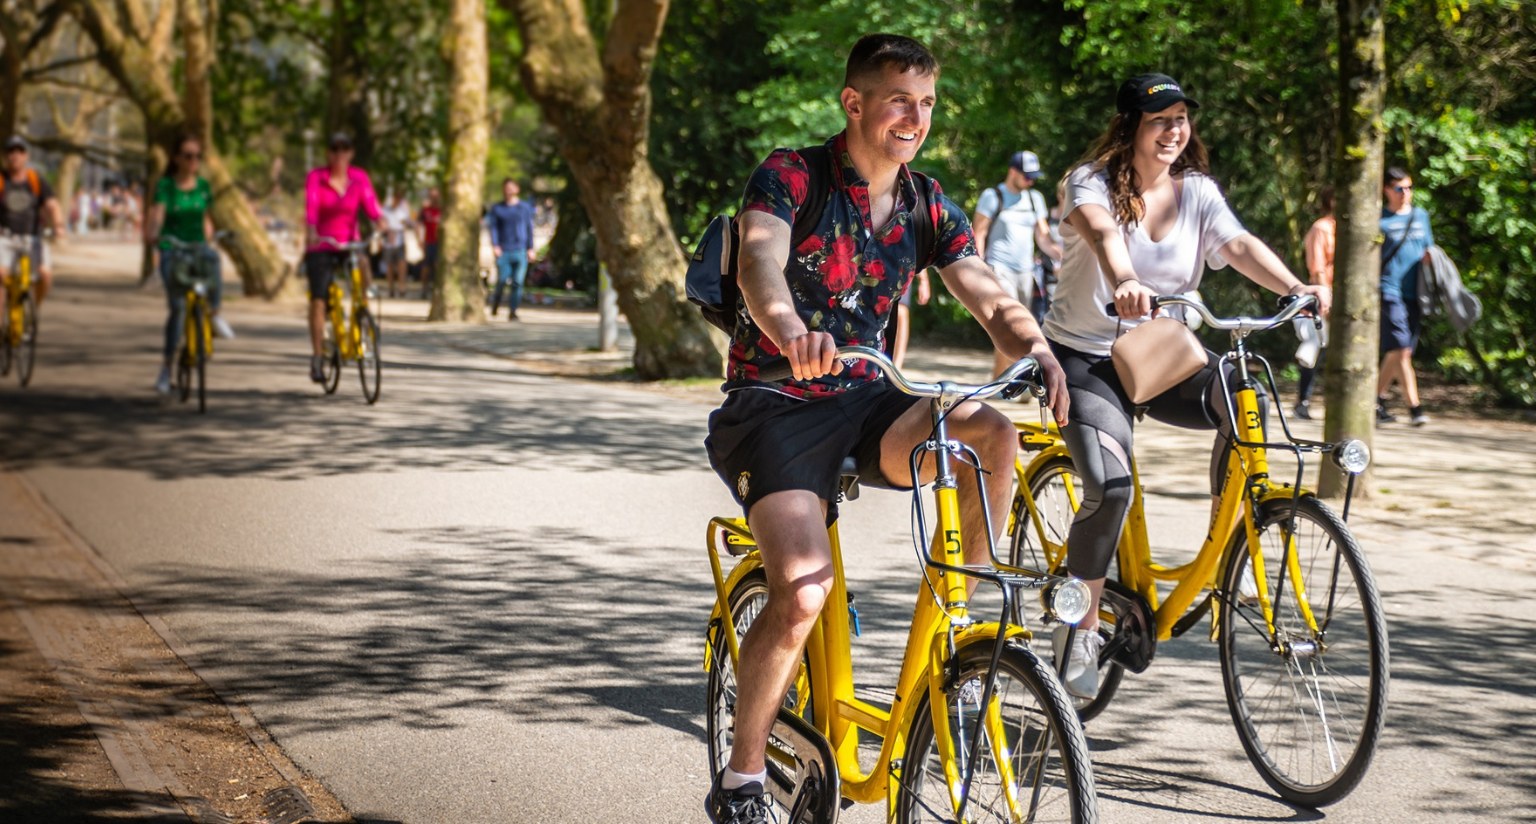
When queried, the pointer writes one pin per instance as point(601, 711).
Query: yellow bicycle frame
point(839, 714)
point(16, 286)
point(1246, 487)
point(344, 326)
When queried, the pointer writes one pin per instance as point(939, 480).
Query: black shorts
point(321, 268)
point(761, 441)
point(1399, 322)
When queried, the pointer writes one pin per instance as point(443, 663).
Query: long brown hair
point(1113, 153)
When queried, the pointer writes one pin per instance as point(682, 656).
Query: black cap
point(340, 139)
point(15, 142)
point(1151, 93)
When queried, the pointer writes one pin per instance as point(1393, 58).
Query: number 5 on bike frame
point(979, 729)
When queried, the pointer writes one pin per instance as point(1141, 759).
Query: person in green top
point(181, 210)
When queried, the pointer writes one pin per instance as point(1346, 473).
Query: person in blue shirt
point(511, 225)
point(1405, 247)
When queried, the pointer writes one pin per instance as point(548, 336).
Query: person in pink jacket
point(333, 194)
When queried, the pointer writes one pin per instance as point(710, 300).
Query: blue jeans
point(176, 294)
point(511, 268)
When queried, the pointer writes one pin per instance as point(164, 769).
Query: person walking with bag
point(1141, 217)
point(1406, 248)
point(1011, 218)
point(1318, 248)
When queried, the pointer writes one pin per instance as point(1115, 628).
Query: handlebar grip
point(1109, 308)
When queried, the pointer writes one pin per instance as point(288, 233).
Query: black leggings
point(1099, 438)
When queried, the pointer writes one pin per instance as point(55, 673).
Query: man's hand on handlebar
point(812, 355)
point(1054, 379)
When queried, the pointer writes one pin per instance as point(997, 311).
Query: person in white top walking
point(1142, 217)
point(1010, 219)
point(397, 218)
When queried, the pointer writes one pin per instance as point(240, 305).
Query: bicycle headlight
point(1352, 456)
point(1068, 599)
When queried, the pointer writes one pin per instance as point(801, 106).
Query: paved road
point(482, 599)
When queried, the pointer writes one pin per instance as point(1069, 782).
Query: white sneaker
point(163, 383)
point(1248, 588)
point(1082, 674)
point(221, 328)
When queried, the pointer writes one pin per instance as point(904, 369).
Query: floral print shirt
point(847, 276)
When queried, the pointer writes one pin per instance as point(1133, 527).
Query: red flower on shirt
point(837, 269)
point(958, 243)
point(875, 269)
point(882, 304)
point(811, 245)
point(894, 236)
point(793, 175)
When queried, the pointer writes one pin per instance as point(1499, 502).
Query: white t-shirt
point(1010, 240)
point(395, 220)
point(1171, 266)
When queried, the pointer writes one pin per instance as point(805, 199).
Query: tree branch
point(34, 74)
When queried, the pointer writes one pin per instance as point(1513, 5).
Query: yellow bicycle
point(18, 323)
point(979, 728)
point(351, 330)
point(190, 270)
point(1295, 610)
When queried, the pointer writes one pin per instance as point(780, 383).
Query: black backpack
point(712, 269)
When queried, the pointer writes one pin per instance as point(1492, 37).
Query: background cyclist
point(30, 207)
point(1143, 217)
point(181, 209)
point(779, 446)
point(333, 194)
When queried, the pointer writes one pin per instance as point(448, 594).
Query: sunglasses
point(16, 150)
point(191, 155)
point(1401, 189)
point(341, 147)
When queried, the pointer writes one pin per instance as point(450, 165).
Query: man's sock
point(730, 779)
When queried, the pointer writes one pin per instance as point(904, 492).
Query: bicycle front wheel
point(1308, 699)
point(197, 352)
point(369, 367)
point(7, 349)
point(1033, 763)
point(746, 600)
point(330, 361)
point(26, 350)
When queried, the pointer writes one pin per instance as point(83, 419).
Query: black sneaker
point(1417, 416)
point(743, 805)
point(316, 372)
point(1303, 411)
point(1383, 416)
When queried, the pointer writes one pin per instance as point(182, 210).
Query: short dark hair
point(1325, 200)
point(875, 53)
point(1392, 175)
point(506, 180)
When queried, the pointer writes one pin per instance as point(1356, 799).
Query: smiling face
point(1162, 136)
point(889, 118)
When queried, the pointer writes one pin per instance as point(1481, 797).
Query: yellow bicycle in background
point(978, 729)
point(1295, 610)
point(190, 269)
point(351, 330)
point(18, 323)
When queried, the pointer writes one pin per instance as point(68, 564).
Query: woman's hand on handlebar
point(812, 355)
point(1133, 299)
point(1321, 293)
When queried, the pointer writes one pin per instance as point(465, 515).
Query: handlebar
point(178, 243)
point(1023, 375)
point(354, 246)
point(1290, 307)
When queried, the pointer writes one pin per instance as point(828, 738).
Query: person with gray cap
point(1010, 219)
point(29, 208)
point(1141, 217)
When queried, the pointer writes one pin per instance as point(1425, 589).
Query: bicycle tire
point(330, 362)
point(370, 367)
point(746, 600)
point(1037, 708)
point(5, 338)
point(26, 354)
point(197, 352)
point(183, 373)
point(1304, 707)
point(1050, 486)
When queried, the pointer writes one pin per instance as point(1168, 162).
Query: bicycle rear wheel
point(1042, 748)
point(330, 361)
point(1057, 494)
point(369, 366)
point(746, 600)
point(26, 350)
point(6, 349)
point(1308, 703)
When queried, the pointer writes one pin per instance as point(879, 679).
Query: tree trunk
point(601, 110)
point(1349, 379)
point(457, 293)
point(142, 71)
point(11, 60)
point(347, 105)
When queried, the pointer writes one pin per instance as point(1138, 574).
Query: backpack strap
point(818, 162)
point(33, 183)
point(923, 225)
